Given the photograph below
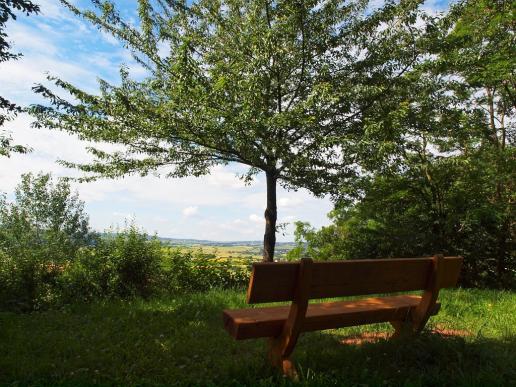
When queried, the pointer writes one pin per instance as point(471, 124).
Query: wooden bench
point(302, 281)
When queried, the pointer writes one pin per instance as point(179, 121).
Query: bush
point(122, 265)
point(41, 232)
point(202, 272)
point(125, 264)
point(49, 257)
point(28, 282)
point(135, 261)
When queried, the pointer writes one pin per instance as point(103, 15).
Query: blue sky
point(217, 207)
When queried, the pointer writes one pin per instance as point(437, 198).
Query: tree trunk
point(271, 214)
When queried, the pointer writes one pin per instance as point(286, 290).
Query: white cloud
point(53, 9)
point(289, 201)
point(109, 38)
point(125, 216)
point(190, 211)
point(221, 177)
point(18, 77)
point(27, 40)
point(257, 219)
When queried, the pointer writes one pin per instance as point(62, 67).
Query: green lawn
point(181, 341)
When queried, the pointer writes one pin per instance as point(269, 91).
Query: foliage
point(129, 264)
point(180, 340)
point(49, 258)
point(270, 85)
point(396, 218)
point(438, 157)
point(7, 108)
point(123, 264)
point(45, 216)
point(479, 50)
point(198, 271)
point(40, 233)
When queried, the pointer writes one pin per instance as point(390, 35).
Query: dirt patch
point(440, 330)
point(373, 337)
point(366, 337)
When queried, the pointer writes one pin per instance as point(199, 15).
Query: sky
point(218, 206)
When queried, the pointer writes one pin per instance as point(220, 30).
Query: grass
point(180, 340)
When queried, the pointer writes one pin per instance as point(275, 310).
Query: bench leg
point(402, 329)
point(409, 326)
point(279, 358)
point(428, 306)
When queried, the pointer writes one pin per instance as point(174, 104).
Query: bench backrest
point(271, 282)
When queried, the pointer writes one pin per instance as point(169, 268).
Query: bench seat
point(269, 321)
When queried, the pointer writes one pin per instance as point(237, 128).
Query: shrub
point(129, 264)
point(187, 271)
point(124, 265)
point(41, 232)
point(27, 282)
point(135, 260)
point(48, 257)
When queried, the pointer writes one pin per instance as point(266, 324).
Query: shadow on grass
point(427, 359)
point(182, 341)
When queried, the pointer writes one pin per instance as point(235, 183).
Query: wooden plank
point(277, 281)
point(349, 278)
point(272, 281)
point(269, 321)
point(450, 272)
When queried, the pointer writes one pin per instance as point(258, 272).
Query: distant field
point(250, 252)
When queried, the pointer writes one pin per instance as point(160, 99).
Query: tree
point(41, 234)
point(478, 49)
point(7, 108)
point(46, 219)
point(438, 156)
point(396, 217)
point(270, 85)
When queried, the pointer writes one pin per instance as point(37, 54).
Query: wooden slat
point(451, 272)
point(349, 278)
point(272, 281)
point(277, 281)
point(268, 322)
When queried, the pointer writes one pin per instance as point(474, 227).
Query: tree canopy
point(281, 87)
point(438, 159)
point(46, 218)
point(9, 109)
